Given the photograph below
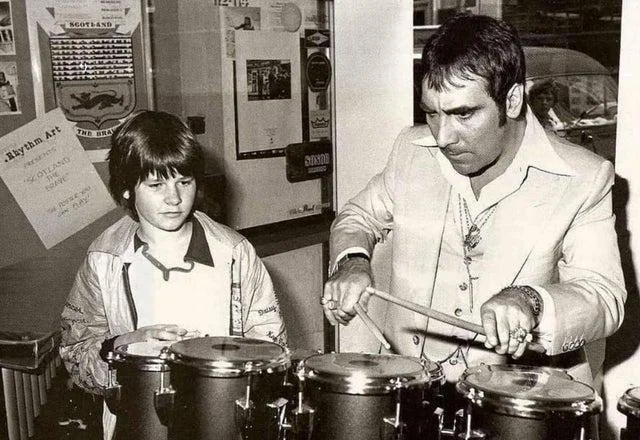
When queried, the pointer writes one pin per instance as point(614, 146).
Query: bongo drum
point(507, 402)
point(227, 388)
point(357, 396)
point(142, 374)
point(629, 405)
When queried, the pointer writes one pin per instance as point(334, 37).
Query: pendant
point(472, 238)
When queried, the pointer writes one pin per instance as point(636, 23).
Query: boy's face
point(164, 204)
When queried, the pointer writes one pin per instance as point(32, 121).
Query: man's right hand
point(345, 288)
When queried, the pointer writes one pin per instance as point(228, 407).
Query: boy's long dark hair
point(151, 142)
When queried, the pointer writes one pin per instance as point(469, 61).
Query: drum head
point(629, 403)
point(228, 356)
point(527, 391)
point(144, 355)
point(361, 373)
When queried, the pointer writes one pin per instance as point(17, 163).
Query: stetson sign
point(308, 160)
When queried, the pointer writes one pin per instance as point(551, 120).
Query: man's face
point(465, 122)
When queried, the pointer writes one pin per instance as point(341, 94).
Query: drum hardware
point(113, 390)
point(394, 427)
point(164, 396)
point(300, 427)
point(244, 411)
point(629, 405)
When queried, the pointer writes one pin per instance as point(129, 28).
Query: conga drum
point(227, 388)
point(629, 405)
point(507, 402)
point(142, 374)
point(357, 396)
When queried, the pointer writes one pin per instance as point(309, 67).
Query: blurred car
point(579, 95)
point(571, 93)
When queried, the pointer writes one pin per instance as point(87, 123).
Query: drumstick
point(373, 328)
point(442, 317)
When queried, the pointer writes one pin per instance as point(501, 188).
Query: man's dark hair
point(150, 142)
point(468, 46)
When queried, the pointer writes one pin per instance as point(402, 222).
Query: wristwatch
point(351, 256)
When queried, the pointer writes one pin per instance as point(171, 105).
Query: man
point(493, 221)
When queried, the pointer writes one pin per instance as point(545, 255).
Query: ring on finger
point(519, 334)
point(328, 303)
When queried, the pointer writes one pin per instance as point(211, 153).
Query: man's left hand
point(507, 319)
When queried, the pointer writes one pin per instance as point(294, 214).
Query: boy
point(165, 272)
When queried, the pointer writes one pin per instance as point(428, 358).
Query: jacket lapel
point(519, 222)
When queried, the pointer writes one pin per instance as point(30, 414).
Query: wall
point(623, 353)
point(374, 89)
point(373, 81)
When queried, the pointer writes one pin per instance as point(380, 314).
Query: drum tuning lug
point(163, 400)
point(462, 427)
point(112, 394)
point(244, 416)
point(393, 429)
point(302, 423)
point(436, 424)
point(276, 412)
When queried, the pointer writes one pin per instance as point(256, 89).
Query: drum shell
point(137, 418)
point(343, 416)
point(554, 427)
point(205, 405)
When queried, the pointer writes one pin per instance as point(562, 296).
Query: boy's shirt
point(196, 297)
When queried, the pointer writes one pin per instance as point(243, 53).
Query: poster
point(91, 49)
point(7, 35)
point(48, 173)
point(267, 93)
point(238, 19)
point(9, 104)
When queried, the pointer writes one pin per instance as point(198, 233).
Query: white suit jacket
point(556, 231)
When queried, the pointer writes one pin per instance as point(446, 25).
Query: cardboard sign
point(47, 171)
point(308, 160)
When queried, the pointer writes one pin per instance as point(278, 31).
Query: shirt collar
point(536, 150)
point(198, 250)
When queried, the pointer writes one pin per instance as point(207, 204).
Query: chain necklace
point(472, 238)
point(165, 270)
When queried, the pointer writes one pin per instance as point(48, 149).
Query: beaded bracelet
point(533, 296)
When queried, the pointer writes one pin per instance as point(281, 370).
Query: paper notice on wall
point(45, 167)
point(269, 108)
